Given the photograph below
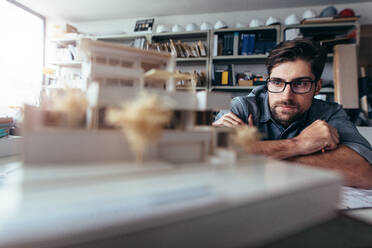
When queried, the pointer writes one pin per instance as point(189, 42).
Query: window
point(21, 56)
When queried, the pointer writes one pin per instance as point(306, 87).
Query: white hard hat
point(240, 25)
point(255, 23)
point(272, 20)
point(309, 13)
point(291, 19)
point(220, 24)
point(178, 28)
point(162, 28)
point(205, 26)
point(191, 27)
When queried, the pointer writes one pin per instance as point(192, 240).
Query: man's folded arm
point(318, 145)
point(356, 170)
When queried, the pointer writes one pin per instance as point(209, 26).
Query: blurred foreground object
point(246, 136)
point(142, 121)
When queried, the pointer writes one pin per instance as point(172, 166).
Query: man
point(295, 125)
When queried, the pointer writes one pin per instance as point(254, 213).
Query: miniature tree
point(246, 136)
point(73, 104)
point(142, 120)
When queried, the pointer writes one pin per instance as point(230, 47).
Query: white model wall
point(117, 26)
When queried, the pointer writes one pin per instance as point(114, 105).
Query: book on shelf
point(265, 42)
point(244, 46)
point(228, 43)
point(225, 78)
point(220, 45)
point(223, 75)
point(251, 43)
point(248, 44)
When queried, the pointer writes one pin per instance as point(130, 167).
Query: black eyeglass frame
point(290, 84)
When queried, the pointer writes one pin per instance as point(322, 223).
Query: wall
point(231, 18)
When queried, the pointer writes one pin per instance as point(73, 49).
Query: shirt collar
point(265, 114)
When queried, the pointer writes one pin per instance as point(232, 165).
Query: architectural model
point(114, 74)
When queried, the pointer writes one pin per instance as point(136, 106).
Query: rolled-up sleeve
point(238, 107)
point(349, 135)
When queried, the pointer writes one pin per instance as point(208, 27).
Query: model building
point(75, 126)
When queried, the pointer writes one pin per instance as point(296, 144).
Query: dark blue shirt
point(256, 103)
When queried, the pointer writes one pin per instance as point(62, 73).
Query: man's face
point(286, 107)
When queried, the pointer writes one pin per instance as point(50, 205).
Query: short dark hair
point(298, 49)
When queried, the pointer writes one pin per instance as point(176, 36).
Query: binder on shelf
point(217, 75)
point(228, 43)
point(230, 51)
point(220, 45)
point(223, 75)
point(260, 44)
point(244, 46)
point(215, 45)
point(269, 45)
point(233, 78)
point(225, 78)
point(224, 44)
point(251, 43)
point(236, 44)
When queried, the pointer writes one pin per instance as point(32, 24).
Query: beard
point(286, 117)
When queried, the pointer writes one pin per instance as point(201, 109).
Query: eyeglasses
point(298, 87)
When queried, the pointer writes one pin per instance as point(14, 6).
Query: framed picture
point(144, 25)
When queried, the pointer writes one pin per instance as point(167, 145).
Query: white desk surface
point(48, 202)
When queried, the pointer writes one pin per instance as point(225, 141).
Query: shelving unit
point(242, 63)
point(63, 57)
point(325, 32)
point(191, 63)
point(238, 57)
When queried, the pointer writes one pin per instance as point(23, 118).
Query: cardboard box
point(242, 82)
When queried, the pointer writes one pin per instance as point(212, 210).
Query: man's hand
point(319, 136)
point(228, 120)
